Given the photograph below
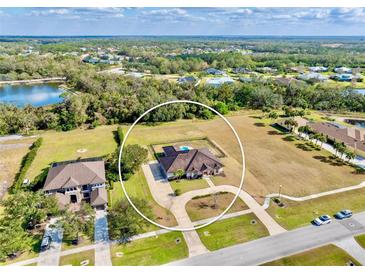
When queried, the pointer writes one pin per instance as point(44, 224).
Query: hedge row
point(25, 164)
point(120, 136)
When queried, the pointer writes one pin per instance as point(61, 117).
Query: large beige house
point(73, 182)
point(194, 163)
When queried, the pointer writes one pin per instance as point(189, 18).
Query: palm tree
point(350, 155)
point(291, 124)
point(322, 139)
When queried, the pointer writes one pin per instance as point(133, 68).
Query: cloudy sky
point(182, 21)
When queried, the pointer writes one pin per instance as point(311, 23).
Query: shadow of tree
point(259, 124)
point(303, 147)
point(274, 132)
point(289, 138)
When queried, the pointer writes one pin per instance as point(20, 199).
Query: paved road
point(277, 246)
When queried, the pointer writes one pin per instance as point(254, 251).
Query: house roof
point(99, 196)
point(75, 174)
point(191, 160)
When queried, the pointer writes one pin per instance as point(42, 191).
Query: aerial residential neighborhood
point(280, 181)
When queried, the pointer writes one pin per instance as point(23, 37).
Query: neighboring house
point(351, 136)
point(241, 70)
point(345, 77)
point(287, 81)
point(214, 71)
point(266, 70)
point(216, 82)
point(73, 182)
point(187, 80)
point(313, 76)
point(343, 70)
point(194, 163)
point(318, 69)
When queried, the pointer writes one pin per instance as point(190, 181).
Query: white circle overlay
point(242, 155)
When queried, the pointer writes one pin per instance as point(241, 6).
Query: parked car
point(343, 214)
point(322, 220)
point(46, 243)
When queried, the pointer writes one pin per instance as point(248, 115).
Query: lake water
point(35, 95)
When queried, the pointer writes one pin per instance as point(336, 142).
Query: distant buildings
point(318, 69)
point(214, 71)
point(187, 80)
point(216, 82)
point(343, 70)
point(345, 77)
point(241, 70)
point(313, 76)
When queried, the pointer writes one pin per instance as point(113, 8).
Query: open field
point(11, 155)
point(83, 143)
point(185, 185)
point(296, 214)
point(361, 240)
point(328, 255)
point(212, 205)
point(76, 258)
point(137, 187)
point(232, 231)
point(150, 251)
point(271, 160)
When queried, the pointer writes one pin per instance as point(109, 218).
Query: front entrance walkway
point(163, 194)
point(101, 237)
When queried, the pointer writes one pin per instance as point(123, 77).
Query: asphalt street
point(281, 245)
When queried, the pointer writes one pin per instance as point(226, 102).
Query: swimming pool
point(184, 148)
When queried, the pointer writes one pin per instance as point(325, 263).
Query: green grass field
point(296, 214)
point(328, 255)
point(83, 143)
point(188, 185)
point(232, 231)
point(66, 245)
point(76, 258)
point(137, 187)
point(151, 251)
point(361, 240)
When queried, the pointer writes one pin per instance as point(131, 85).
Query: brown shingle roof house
point(74, 181)
point(193, 162)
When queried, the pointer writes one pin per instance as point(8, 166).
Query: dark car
point(46, 243)
point(343, 214)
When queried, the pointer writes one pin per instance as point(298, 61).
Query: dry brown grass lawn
point(10, 159)
point(208, 206)
point(270, 160)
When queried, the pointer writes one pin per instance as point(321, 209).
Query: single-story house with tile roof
point(195, 163)
point(73, 182)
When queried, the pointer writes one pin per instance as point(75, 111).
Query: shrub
point(25, 164)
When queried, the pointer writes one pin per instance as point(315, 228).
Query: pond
point(356, 122)
point(35, 95)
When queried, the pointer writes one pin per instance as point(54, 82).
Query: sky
point(183, 21)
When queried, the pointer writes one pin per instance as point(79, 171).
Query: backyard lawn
point(69, 145)
point(296, 214)
point(77, 258)
point(232, 231)
point(188, 185)
point(361, 240)
point(328, 255)
point(150, 251)
point(137, 187)
point(208, 206)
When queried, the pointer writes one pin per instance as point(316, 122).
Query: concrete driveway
point(101, 237)
point(51, 257)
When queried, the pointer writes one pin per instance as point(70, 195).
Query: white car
point(322, 220)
